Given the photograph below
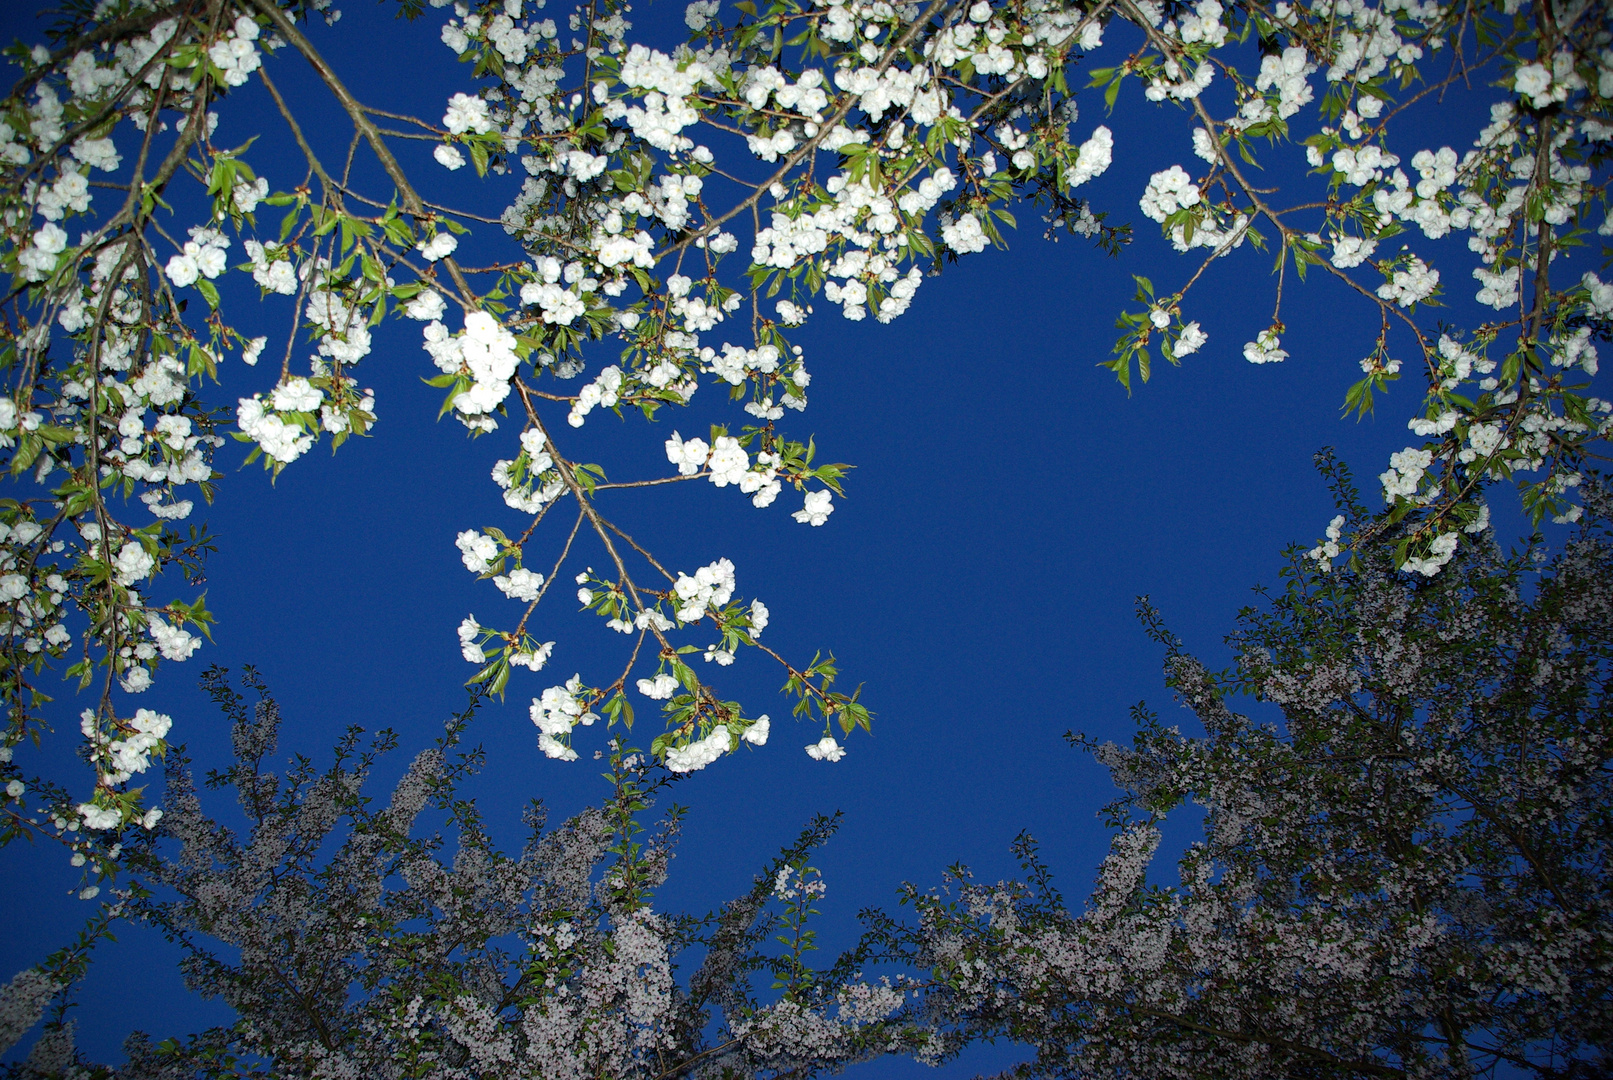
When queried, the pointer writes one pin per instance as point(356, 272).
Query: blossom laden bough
point(1424, 806)
point(661, 189)
point(344, 939)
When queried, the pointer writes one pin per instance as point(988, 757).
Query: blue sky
point(1008, 504)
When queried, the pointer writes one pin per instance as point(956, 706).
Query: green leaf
point(28, 448)
point(1112, 92)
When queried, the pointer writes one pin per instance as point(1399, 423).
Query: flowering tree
point(385, 958)
point(849, 149)
point(855, 148)
point(1404, 873)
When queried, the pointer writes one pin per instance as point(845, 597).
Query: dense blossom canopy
point(683, 209)
point(1403, 873)
point(855, 148)
point(353, 950)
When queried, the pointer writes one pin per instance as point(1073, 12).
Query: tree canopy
point(1403, 873)
point(684, 207)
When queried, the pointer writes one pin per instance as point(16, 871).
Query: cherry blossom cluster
point(1403, 700)
point(1537, 168)
point(573, 920)
point(682, 210)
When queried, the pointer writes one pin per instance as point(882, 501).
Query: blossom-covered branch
point(688, 208)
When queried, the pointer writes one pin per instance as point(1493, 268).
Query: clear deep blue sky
point(1009, 502)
